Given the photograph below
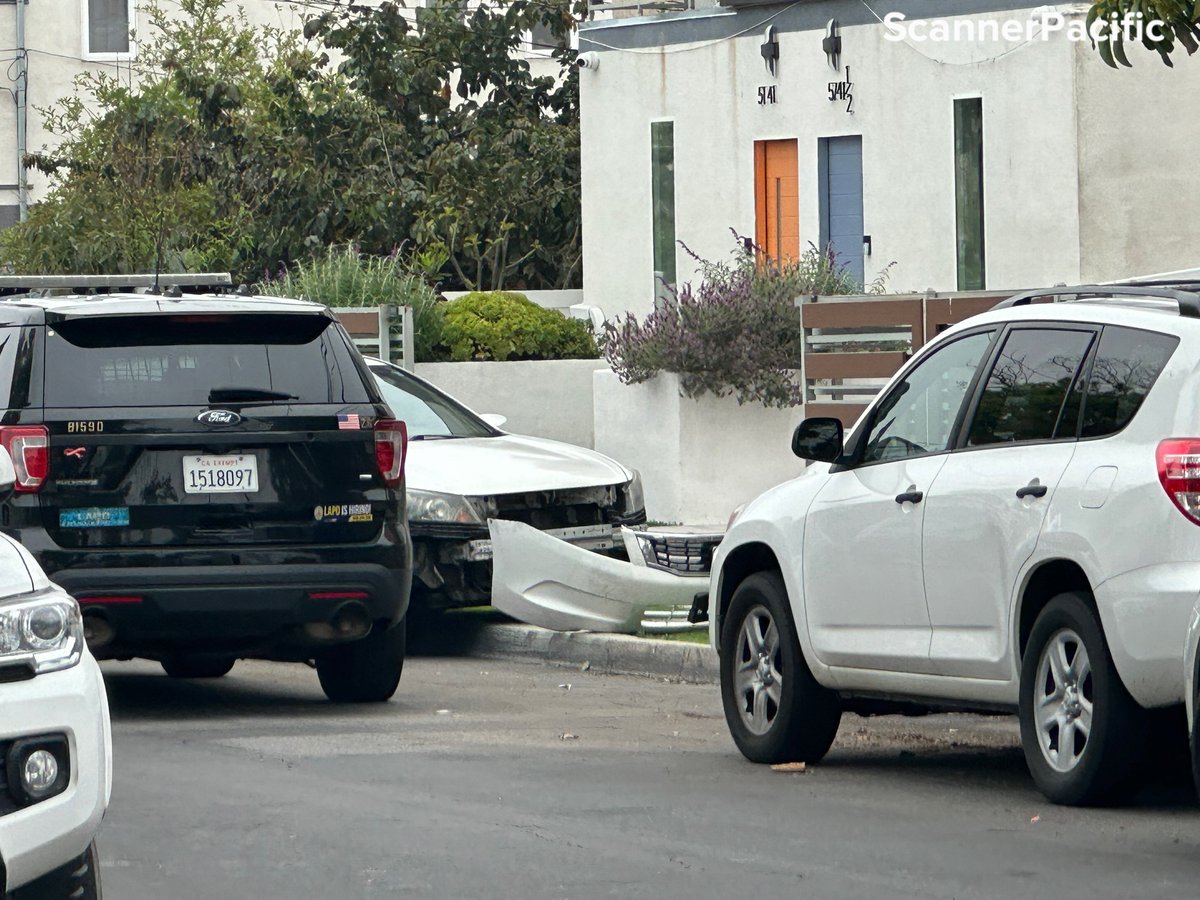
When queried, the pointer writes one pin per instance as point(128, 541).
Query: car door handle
point(910, 496)
point(1033, 489)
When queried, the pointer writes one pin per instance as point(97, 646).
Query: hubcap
point(1063, 700)
point(757, 678)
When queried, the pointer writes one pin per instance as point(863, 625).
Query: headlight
point(632, 498)
point(430, 506)
point(46, 633)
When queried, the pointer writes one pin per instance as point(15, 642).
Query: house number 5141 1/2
point(842, 90)
point(766, 95)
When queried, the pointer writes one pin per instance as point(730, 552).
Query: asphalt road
point(509, 779)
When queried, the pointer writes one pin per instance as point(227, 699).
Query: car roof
point(1145, 313)
point(27, 308)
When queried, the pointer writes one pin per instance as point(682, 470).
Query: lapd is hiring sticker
point(343, 512)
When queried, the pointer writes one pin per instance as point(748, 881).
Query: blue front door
point(841, 185)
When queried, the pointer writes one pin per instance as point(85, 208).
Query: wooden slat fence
point(853, 345)
point(385, 332)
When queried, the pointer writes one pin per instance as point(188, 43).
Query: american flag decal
point(348, 422)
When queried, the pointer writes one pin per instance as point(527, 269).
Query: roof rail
point(193, 281)
point(1188, 300)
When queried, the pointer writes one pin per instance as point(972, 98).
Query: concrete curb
point(610, 654)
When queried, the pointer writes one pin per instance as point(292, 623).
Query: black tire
point(365, 671)
point(1069, 767)
point(77, 880)
point(799, 725)
point(197, 666)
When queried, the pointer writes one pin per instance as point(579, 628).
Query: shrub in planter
point(738, 333)
point(341, 276)
point(499, 325)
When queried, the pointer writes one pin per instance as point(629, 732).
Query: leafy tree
point(496, 147)
point(243, 148)
point(1180, 17)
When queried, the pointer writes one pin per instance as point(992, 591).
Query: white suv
point(1014, 525)
point(55, 738)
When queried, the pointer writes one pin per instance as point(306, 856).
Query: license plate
point(233, 474)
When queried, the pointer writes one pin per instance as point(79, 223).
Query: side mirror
point(819, 439)
point(8, 475)
point(494, 419)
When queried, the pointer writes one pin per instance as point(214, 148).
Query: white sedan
point(461, 471)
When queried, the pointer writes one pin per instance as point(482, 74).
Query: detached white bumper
point(543, 580)
point(39, 838)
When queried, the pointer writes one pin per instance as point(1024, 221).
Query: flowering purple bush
point(738, 333)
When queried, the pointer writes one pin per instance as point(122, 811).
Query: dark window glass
point(968, 193)
point(17, 351)
point(108, 26)
point(662, 185)
point(1028, 385)
point(1127, 364)
point(178, 360)
point(426, 412)
point(917, 417)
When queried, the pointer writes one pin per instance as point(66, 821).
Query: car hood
point(507, 464)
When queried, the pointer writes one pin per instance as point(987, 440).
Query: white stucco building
point(1014, 159)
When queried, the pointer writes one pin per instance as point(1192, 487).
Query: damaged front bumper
point(543, 580)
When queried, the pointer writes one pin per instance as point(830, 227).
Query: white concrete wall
point(699, 459)
point(1138, 139)
point(904, 110)
point(551, 398)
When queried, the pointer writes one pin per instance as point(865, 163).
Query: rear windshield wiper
point(434, 437)
point(247, 394)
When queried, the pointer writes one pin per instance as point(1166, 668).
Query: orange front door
point(777, 199)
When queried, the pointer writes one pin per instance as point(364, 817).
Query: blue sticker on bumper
point(96, 517)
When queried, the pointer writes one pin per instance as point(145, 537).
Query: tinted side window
point(1127, 364)
point(918, 415)
point(1028, 385)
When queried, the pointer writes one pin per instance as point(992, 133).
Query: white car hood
point(508, 464)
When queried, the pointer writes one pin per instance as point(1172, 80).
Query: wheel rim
point(1063, 700)
point(758, 676)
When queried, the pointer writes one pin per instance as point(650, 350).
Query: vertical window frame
point(663, 246)
point(965, 277)
point(85, 51)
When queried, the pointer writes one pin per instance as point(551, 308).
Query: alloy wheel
point(758, 676)
point(1063, 700)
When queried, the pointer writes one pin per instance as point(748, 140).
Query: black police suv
point(213, 477)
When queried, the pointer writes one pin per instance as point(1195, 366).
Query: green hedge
point(499, 325)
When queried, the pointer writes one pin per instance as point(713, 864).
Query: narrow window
point(968, 191)
point(662, 178)
point(108, 26)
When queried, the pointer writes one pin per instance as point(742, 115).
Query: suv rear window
point(1126, 365)
point(177, 360)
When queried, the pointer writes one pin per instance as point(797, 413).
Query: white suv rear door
point(986, 507)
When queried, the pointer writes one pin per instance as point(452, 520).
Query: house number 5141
point(766, 95)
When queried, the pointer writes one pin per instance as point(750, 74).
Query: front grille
point(7, 803)
point(450, 531)
point(687, 554)
point(569, 508)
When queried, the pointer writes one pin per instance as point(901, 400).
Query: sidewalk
point(608, 654)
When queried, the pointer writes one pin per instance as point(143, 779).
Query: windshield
point(425, 411)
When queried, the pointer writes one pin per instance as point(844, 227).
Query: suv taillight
point(391, 443)
point(1179, 471)
point(29, 447)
